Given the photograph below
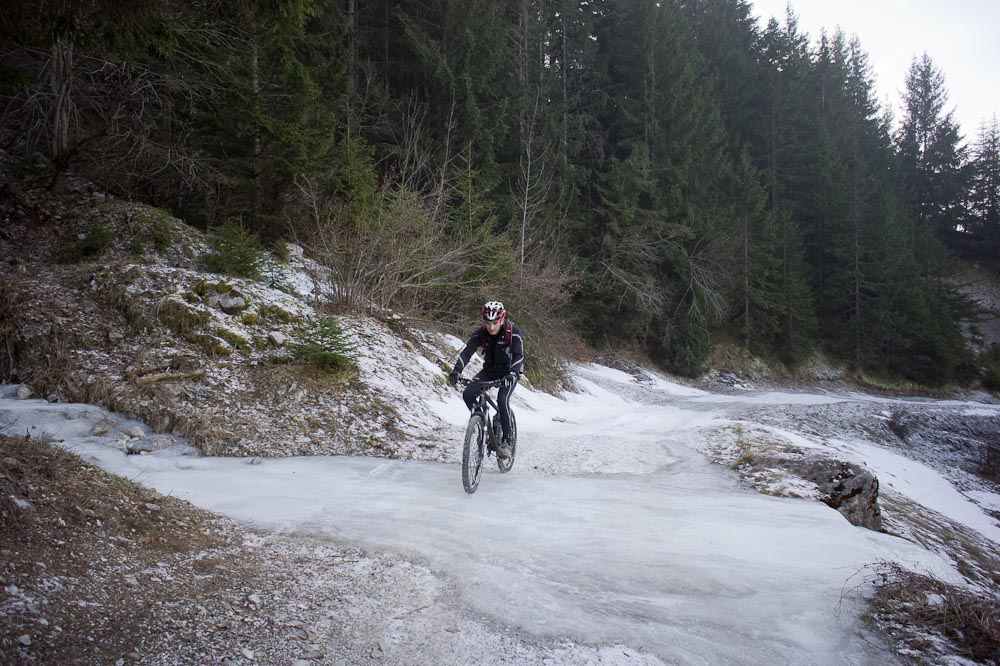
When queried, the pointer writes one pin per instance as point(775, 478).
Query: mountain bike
point(484, 434)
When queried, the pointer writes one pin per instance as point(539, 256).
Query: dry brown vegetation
point(924, 614)
point(95, 569)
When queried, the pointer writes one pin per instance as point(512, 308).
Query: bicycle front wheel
point(506, 463)
point(472, 453)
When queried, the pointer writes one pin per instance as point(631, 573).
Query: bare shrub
point(390, 253)
point(10, 298)
point(922, 609)
point(541, 295)
point(899, 422)
point(990, 466)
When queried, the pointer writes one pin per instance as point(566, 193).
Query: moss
point(217, 346)
point(206, 287)
point(232, 337)
point(275, 311)
point(249, 317)
point(181, 316)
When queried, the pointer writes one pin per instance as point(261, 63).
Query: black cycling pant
point(472, 391)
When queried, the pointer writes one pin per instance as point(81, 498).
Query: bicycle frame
point(484, 432)
point(485, 402)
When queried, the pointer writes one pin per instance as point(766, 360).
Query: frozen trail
point(611, 529)
point(680, 562)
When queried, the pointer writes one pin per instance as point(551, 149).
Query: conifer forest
point(656, 175)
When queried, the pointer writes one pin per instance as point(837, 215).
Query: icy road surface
point(668, 554)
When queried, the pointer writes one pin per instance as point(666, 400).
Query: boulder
point(847, 487)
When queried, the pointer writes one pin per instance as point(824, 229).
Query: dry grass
point(921, 612)
point(81, 552)
point(10, 298)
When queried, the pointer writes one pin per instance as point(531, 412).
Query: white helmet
point(493, 311)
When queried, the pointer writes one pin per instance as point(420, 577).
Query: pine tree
point(983, 221)
point(930, 148)
point(759, 290)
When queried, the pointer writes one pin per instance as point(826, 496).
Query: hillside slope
point(152, 333)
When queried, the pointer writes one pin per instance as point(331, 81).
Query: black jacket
point(499, 355)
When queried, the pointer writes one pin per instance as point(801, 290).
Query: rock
point(120, 443)
point(116, 336)
point(850, 489)
point(152, 507)
point(24, 639)
point(162, 441)
point(254, 601)
point(248, 654)
point(232, 304)
point(312, 652)
point(138, 446)
point(277, 338)
point(133, 431)
point(99, 430)
point(23, 392)
point(22, 504)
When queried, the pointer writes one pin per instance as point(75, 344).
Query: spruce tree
point(983, 221)
point(931, 152)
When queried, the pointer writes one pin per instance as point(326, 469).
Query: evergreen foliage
point(659, 173)
point(983, 221)
point(237, 252)
point(325, 345)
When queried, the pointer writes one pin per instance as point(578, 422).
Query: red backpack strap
point(508, 327)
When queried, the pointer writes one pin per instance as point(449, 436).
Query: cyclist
point(503, 358)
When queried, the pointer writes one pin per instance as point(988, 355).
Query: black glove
point(453, 377)
point(510, 379)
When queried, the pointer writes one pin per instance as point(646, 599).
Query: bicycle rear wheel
point(472, 453)
point(506, 463)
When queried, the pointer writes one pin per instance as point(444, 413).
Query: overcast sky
point(959, 35)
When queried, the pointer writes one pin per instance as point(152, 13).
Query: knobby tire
point(473, 452)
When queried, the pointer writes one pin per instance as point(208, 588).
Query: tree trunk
point(62, 110)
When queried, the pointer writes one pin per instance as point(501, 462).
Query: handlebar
point(489, 383)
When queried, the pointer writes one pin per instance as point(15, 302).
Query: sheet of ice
point(661, 383)
point(982, 411)
point(774, 398)
point(680, 561)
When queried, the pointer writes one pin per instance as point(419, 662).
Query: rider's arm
point(470, 348)
point(516, 350)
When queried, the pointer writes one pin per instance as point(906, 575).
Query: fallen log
point(168, 376)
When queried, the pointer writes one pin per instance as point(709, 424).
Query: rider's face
point(492, 326)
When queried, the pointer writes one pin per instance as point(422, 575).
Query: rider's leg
point(471, 393)
point(503, 407)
